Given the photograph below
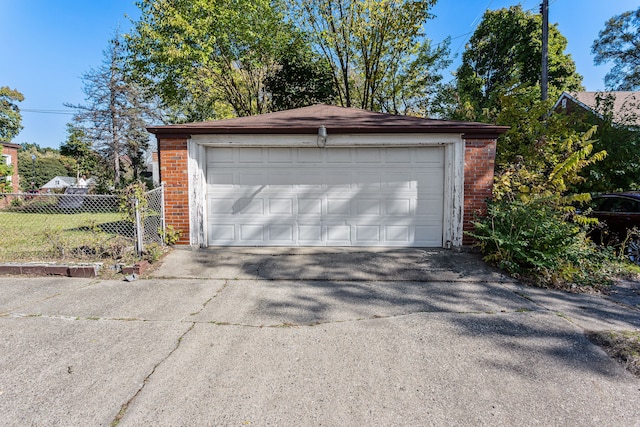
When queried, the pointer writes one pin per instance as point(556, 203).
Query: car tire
point(633, 250)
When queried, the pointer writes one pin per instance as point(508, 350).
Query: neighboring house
point(10, 157)
point(153, 169)
point(326, 176)
point(624, 106)
point(62, 182)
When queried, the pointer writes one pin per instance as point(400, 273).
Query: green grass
point(38, 236)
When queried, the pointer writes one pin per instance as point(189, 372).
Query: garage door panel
point(397, 233)
point(338, 234)
point(310, 234)
point(281, 207)
point(398, 207)
point(337, 155)
point(368, 207)
point(310, 206)
point(332, 197)
point(280, 179)
point(255, 155)
point(397, 155)
point(338, 207)
point(280, 155)
point(309, 155)
point(282, 233)
point(368, 233)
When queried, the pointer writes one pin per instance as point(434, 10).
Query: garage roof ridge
point(336, 119)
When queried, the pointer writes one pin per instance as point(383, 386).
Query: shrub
point(534, 240)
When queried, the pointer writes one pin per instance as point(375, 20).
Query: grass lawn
point(38, 236)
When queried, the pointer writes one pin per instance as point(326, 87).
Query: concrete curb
point(40, 269)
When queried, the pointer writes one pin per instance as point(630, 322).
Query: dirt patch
point(622, 346)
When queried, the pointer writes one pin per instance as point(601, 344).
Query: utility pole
point(544, 80)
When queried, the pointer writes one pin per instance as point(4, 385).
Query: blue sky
point(47, 45)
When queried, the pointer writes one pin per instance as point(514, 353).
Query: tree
point(79, 147)
point(376, 49)
point(301, 79)
point(208, 59)
point(10, 118)
point(619, 134)
point(619, 42)
point(505, 53)
point(39, 165)
point(114, 119)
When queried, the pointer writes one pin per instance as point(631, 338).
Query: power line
point(41, 111)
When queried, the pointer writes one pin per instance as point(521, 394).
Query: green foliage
point(10, 117)
point(79, 147)
point(532, 227)
point(5, 171)
point(152, 252)
point(618, 133)
point(171, 235)
point(503, 55)
point(206, 58)
point(133, 198)
point(48, 163)
point(302, 79)
point(534, 240)
point(618, 43)
point(379, 56)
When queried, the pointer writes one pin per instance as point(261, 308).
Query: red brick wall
point(12, 151)
point(479, 161)
point(174, 174)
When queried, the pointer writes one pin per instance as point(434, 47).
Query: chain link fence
point(79, 226)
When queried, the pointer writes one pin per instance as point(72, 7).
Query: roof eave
point(469, 132)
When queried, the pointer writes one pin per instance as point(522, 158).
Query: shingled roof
point(337, 120)
point(625, 108)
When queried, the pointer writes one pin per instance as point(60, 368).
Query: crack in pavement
point(125, 406)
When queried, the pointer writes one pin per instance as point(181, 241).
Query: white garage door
point(325, 197)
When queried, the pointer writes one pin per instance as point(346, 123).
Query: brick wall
point(174, 174)
point(479, 160)
point(12, 151)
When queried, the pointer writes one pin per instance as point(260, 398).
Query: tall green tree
point(301, 79)
point(114, 118)
point(208, 58)
point(377, 49)
point(505, 53)
point(619, 43)
point(79, 147)
point(10, 117)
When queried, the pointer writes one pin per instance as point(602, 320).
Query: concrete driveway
point(309, 337)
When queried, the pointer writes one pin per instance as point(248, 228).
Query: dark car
point(620, 215)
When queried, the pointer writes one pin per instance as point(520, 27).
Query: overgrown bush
point(533, 230)
point(535, 240)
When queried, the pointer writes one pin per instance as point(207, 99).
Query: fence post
point(139, 229)
point(164, 227)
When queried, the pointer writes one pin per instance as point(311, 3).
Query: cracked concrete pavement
point(310, 337)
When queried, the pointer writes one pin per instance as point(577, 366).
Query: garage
point(364, 196)
point(325, 176)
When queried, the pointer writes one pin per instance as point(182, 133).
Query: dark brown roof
point(10, 145)
point(337, 120)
